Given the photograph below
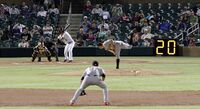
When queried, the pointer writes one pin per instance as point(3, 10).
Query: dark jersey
point(49, 44)
point(26, 36)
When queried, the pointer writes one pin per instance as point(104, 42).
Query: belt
point(91, 75)
point(70, 42)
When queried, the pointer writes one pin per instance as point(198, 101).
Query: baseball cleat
point(71, 104)
point(65, 60)
point(69, 61)
point(106, 103)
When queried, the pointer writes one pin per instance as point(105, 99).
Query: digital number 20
point(173, 52)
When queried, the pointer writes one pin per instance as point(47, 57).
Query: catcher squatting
point(46, 48)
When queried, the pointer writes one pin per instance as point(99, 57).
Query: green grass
point(36, 76)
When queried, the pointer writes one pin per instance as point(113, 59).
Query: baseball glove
point(100, 45)
point(111, 48)
point(83, 93)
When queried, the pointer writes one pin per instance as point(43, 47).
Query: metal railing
point(179, 36)
point(194, 28)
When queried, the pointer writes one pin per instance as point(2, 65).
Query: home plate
point(60, 62)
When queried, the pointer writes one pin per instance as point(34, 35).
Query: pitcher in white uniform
point(116, 48)
point(68, 51)
point(93, 75)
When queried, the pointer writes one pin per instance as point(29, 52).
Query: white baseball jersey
point(118, 46)
point(93, 71)
point(67, 38)
point(92, 77)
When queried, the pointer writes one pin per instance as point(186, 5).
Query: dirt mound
point(121, 72)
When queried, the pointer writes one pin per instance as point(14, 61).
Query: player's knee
point(81, 88)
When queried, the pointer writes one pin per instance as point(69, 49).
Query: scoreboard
point(166, 47)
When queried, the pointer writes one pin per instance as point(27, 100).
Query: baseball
point(137, 72)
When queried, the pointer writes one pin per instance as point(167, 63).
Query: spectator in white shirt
point(117, 12)
point(198, 12)
point(42, 12)
point(103, 24)
point(54, 10)
point(146, 37)
point(19, 27)
point(23, 44)
point(48, 30)
point(105, 14)
point(97, 10)
point(13, 10)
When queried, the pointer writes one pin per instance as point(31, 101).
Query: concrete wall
point(191, 51)
point(81, 51)
point(15, 1)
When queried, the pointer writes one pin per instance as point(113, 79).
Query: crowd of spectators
point(22, 25)
point(136, 23)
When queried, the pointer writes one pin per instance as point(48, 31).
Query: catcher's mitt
point(83, 93)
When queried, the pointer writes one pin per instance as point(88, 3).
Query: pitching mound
point(121, 72)
point(36, 97)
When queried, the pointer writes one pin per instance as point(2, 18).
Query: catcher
point(115, 47)
point(40, 50)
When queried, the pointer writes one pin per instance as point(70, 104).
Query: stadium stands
point(159, 20)
point(14, 18)
point(141, 23)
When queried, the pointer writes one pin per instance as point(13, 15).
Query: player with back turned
point(93, 75)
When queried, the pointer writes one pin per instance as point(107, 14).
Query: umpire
point(52, 47)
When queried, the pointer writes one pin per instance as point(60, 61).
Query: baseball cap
point(85, 17)
point(95, 63)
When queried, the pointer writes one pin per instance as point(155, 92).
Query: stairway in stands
point(75, 23)
point(77, 6)
point(76, 15)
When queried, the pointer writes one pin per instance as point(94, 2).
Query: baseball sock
point(117, 63)
point(49, 58)
point(33, 59)
point(39, 59)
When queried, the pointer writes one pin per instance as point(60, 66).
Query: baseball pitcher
point(92, 76)
point(66, 38)
point(115, 48)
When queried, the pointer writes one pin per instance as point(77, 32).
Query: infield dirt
point(38, 97)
